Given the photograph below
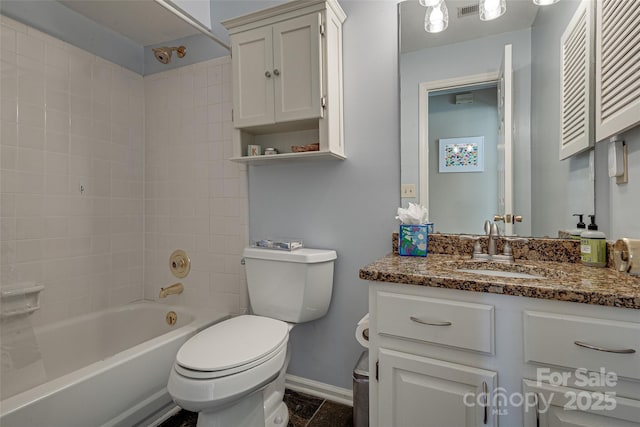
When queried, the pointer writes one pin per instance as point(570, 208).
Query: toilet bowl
point(227, 362)
point(233, 373)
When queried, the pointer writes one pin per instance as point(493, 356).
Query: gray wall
point(618, 206)
point(463, 59)
point(345, 205)
point(558, 188)
point(475, 202)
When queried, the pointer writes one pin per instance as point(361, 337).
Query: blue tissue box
point(414, 239)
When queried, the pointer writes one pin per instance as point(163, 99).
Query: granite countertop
point(563, 281)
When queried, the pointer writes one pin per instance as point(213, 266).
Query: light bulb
point(544, 2)
point(429, 3)
point(492, 9)
point(436, 19)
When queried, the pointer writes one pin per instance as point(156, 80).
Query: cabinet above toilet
point(287, 81)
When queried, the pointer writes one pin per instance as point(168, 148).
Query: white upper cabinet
point(287, 80)
point(278, 73)
point(297, 73)
point(253, 77)
point(576, 67)
point(617, 67)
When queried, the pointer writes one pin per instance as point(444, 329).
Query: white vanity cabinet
point(420, 391)
point(448, 358)
point(287, 79)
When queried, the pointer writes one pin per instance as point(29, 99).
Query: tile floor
point(304, 411)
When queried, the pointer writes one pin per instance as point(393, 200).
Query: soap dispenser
point(593, 245)
point(580, 227)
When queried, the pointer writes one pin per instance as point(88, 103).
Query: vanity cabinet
point(420, 391)
point(444, 357)
point(287, 80)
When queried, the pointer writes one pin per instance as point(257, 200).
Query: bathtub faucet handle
point(174, 289)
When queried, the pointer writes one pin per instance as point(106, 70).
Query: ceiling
point(143, 21)
point(520, 14)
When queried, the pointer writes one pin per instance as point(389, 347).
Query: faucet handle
point(507, 244)
point(477, 247)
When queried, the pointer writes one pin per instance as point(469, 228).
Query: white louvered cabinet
point(617, 67)
point(287, 80)
point(576, 82)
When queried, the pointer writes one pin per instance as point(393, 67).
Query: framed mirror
point(544, 191)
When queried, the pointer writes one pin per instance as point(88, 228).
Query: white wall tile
point(56, 135)
point(149, 153)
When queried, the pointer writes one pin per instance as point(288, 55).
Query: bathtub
point(108, 368)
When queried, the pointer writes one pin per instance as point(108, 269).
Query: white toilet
point(232, 373)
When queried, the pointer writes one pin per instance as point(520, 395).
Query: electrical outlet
point(407, 191)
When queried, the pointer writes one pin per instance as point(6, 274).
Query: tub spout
point(176, 288)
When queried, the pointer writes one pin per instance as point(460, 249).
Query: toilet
point(233, 372)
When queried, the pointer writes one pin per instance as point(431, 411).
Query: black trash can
point(361, 391)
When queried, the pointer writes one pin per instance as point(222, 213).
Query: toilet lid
point(232, 343)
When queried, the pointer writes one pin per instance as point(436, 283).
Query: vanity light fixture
point(436, 19)
point(492, 9)
point(544, 2)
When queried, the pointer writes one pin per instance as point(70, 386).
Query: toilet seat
point(232, 346)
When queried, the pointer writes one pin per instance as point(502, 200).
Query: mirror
point(546, 191)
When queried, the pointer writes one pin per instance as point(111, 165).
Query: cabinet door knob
point(267, 74)
point(276, 72)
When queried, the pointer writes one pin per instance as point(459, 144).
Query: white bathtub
point(103, 369)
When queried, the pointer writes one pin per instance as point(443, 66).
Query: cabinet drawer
point(452, 323)
point(582, 342)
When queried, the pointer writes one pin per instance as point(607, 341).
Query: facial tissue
point(414, 230)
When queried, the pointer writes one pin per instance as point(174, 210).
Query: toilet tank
point(290, 286)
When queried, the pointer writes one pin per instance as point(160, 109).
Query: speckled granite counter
point(563, 281)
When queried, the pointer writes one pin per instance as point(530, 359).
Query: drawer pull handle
point(485, 393)
point(424, 322)
point(537, 410)
point(608, 350)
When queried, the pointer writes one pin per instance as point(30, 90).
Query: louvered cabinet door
point(576, 88)
point(617, 66)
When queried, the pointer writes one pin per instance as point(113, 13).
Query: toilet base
point(248, 412)
point(279, 417)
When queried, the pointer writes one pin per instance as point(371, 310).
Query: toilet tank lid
point(302, 255)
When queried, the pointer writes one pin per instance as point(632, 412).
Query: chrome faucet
point(492, 233)
point(174, 289)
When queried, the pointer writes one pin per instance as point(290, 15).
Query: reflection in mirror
point(454, 116)
point(546, 191)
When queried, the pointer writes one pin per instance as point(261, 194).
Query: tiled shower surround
point(194, 199)
point(104, 173)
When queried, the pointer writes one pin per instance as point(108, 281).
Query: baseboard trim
point(318, 389)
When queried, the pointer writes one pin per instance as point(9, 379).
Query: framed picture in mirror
point(461, 154)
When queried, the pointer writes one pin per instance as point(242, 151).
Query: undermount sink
point(508, 270)
point(500, 273)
